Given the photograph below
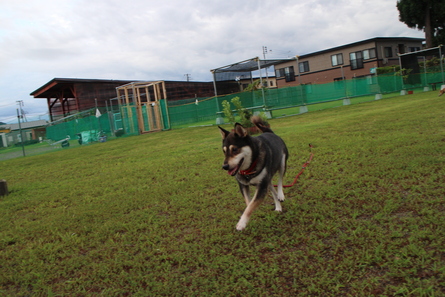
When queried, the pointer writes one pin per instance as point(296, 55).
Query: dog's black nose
point(225, 167)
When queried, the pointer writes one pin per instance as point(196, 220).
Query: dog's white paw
point(240, 228)
point(241, 224)
point(278, 208)
point(281, 198)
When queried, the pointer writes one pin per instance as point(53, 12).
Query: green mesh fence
point(189, 112)
point(129, 119)
point(192, 112)
point(164, 114)
point(83, 125)
point(196, 111)
point(121, 121)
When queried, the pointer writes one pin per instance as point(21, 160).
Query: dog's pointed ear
point(224, 132)
point(240, 130)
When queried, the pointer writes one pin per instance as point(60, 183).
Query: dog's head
point(237, 149)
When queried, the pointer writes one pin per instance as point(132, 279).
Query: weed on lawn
point(154, 215)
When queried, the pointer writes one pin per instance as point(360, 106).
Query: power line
point(10, 104)
point(5, 120)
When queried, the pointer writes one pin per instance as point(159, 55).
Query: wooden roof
point(57, 85)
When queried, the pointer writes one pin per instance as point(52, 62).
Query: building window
point(337, 59)
point(303, 66)
point(414, 49)
point(387, 52)
point(287, 72)
point(356, 60)
point(279, 72)
point(369, 54)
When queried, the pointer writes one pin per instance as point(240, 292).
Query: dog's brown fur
point(441, 92)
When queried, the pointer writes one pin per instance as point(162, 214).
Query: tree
point(426, 15)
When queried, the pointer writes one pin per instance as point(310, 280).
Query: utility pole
point(21, 134)
point(264, 52)
point(188, 76)
point(22, 112)
point(264, 55)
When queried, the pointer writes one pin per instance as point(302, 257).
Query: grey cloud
point(147, 39)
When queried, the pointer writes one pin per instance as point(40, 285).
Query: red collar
point(250, 170)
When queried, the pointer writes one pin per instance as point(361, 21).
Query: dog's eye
point(234, 149)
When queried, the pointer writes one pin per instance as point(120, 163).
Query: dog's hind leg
point(253, 204)
point(245, 192)
point(275, 198)
point(281, 172)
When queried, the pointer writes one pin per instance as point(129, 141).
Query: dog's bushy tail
point(261, 125)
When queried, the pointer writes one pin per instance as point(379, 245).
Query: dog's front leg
point(282, 170)
point(275, 198)
point(245, 192)
point(260, 193)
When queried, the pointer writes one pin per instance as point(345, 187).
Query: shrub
point(243, 113)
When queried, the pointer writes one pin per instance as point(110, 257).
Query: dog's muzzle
point(232, 171)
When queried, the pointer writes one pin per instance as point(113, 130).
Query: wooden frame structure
point(146, 98)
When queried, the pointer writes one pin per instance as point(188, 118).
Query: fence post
point(3, 188)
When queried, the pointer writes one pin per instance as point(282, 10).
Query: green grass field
point(155, 215)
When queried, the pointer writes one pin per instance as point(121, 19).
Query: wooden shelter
point(67, 96)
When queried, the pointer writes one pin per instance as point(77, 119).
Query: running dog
point(254, 161)
point(441, 92)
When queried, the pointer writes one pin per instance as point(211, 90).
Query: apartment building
point(358, 59)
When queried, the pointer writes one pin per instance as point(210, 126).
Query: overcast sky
point(164, 40)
